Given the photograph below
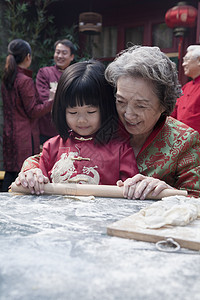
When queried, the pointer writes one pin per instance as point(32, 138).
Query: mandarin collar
point(27, 72)
point(196, 80)
point(157, 128)
point(59, 69)
point(73, 135)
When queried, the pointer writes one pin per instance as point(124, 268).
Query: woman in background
point(21, 109)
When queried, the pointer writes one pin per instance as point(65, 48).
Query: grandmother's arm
point(31, 162)
point(31, 175)
point(186, 175)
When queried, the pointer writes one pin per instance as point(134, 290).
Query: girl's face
point(84, 120)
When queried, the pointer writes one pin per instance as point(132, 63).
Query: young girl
point(87, 150)
point(21, 108)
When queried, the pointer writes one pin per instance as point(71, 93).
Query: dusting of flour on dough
point(80, 198)
point(174, 210)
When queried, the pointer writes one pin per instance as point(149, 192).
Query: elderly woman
point(146, 91)
point(167, 151)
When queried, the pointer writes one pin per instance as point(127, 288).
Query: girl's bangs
point(83, 95)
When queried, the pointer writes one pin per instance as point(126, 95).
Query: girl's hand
point(32, 179)
point(139, 186)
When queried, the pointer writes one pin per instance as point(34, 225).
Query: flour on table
point(80, 198)
point(174, 210)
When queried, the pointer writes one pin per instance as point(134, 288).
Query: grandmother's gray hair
point(195, 50)
point(150, 64)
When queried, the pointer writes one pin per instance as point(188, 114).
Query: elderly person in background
point(187, 108)
point(147, 86)
point(47, 80)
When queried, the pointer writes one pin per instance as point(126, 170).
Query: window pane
point(134, 36)
point(105, 44)
point(162, 36)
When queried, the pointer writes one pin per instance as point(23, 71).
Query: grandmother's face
point(138, 107)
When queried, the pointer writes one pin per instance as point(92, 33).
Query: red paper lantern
point(181, 17)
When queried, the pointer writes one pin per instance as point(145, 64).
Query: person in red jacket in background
point(21, 110)
point(187, 109)
point(47, 79)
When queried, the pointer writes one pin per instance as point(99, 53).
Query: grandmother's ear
point(163, 110)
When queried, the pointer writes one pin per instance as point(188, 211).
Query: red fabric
point(187, 108)
point(44, 77)
point(112, 161)
point(21, 108)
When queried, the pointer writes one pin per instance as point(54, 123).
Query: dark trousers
point(8, 179)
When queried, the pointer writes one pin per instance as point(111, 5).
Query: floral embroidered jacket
point(172, 153)
point(79, 160)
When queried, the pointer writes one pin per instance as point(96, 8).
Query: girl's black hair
point(17, 51)
point(83, 83)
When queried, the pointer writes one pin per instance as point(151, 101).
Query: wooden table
point(53, 247)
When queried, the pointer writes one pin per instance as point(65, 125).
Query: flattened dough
point(80, 198)
point(174, 210)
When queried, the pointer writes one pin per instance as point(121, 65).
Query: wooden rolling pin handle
point(109, 191)
point(168, 193)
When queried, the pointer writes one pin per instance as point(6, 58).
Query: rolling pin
point(108, 191)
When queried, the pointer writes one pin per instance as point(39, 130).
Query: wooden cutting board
point(186, 236)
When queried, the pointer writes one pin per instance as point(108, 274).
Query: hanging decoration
point(181, 18)
point(90, 23)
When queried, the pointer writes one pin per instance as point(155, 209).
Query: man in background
point(47, 79)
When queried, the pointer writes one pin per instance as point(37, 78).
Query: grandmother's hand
point(139, 186)
point(32, 179)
